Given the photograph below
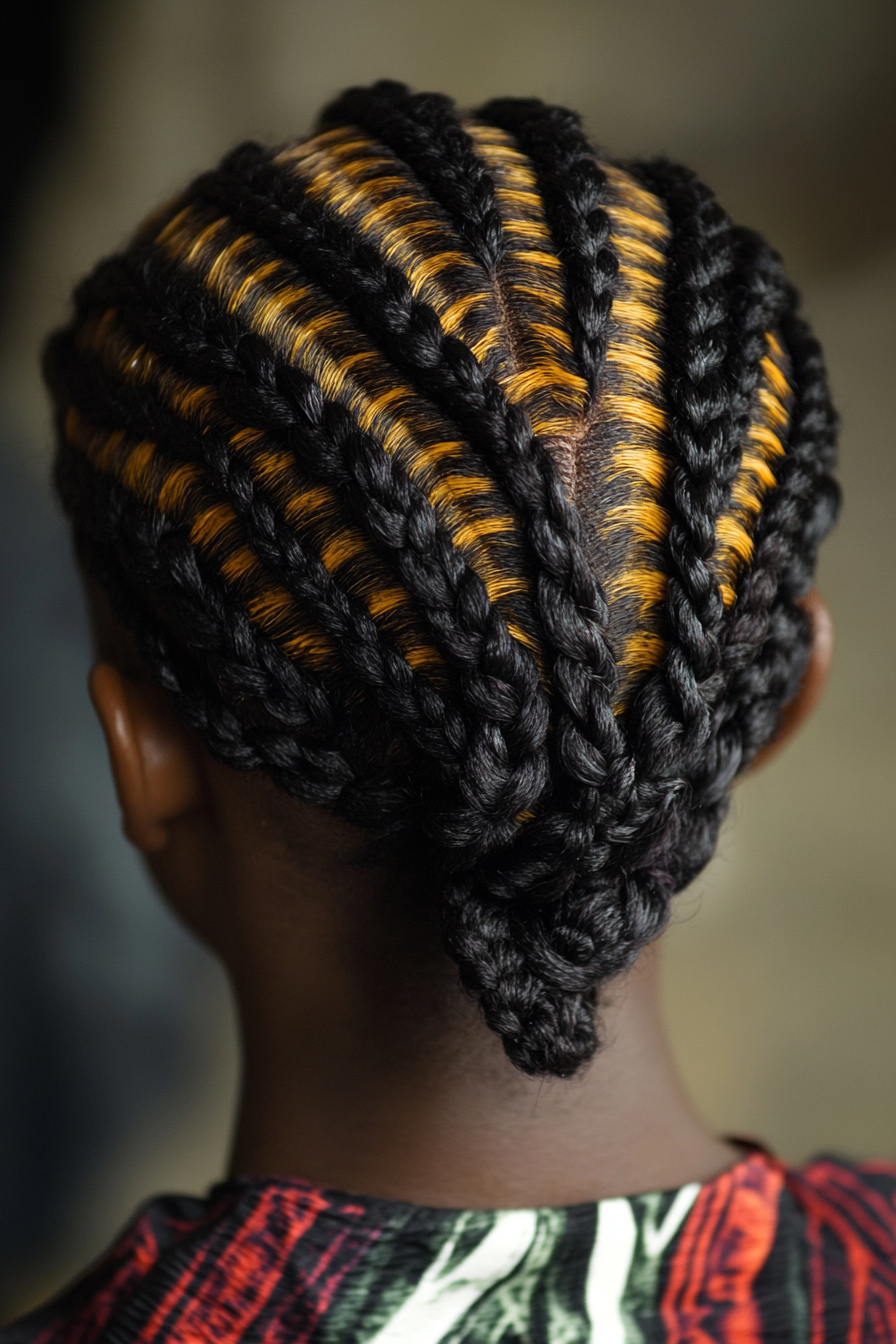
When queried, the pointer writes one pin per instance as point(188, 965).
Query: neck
point(367, 1070)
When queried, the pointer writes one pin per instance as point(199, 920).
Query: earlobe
point(155, 772)
point(815, 678)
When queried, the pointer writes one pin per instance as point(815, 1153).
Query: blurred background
point(117, 1053)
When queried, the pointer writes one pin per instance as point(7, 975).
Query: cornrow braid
point(406, 696)
point(384, 305)
point(706, 432)
point(468, 629)
point(796, 519)
point(230, 662)
point(462, 479)
point(572, 609)
point(725, 295)
point(572, 185)
point(382, 302)
point(423, 130)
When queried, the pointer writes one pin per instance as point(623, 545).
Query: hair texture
point(462, 478)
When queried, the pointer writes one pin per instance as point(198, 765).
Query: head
point(465, 484)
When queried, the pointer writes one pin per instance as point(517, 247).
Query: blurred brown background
point(781, 968)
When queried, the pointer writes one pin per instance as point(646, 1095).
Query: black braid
point(442, 366)
point(371, 657)
point(226, 651)
point(588, 741)
point(724, 294)
point(796, 519)
point(706, 433)
point(500, 677)
point(468, 830)
point(572, 184)
point(424, 130)
point(564, 826)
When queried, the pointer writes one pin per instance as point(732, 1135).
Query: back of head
point(463, 479)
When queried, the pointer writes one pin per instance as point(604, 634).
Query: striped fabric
point(762, 1253)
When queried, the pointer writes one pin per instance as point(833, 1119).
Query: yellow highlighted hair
point(612, 451)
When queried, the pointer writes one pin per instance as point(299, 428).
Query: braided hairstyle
point(461, 478)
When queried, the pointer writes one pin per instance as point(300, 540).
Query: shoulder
point(850, 1203)
point(87, 1305)
point(186, 1258)
point(768, 1248)
point(833, 1176)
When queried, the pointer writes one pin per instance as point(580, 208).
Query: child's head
point(468, 484)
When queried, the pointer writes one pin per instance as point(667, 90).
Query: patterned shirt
point(761, 1253)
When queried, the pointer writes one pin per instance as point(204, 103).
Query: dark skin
point(366, 1068)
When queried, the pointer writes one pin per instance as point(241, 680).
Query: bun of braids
point(463, 479)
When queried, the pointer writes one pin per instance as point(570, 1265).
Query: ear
point(815, 678)
point(156, 774)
